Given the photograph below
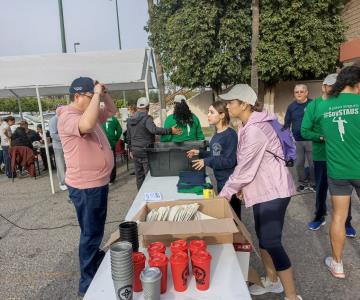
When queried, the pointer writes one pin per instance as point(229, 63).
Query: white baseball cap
point(330, 79)
point(142, 102)
point(179, 98)
point(242, 92)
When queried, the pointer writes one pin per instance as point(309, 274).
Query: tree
point(299, 39)
point(254, 44)
point(202, 43)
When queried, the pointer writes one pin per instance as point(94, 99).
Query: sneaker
point(311, 188)
point(301, 188)
point(63, 187)
point(350, 231)
point(336, 269)
point(268, 287)
point(298, 296)
point(316, 224)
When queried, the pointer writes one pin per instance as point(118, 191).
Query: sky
point(33, 26)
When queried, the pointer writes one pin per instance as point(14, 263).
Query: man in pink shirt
point(89, 162)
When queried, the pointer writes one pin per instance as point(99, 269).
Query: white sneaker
point(336, 269)
point(268, 287)
point(63, 187)
point(299, 297)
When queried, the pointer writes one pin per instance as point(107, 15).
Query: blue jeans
point(91, 208)
point(321, 182)
point(7, 161)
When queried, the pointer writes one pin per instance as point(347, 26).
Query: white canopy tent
point(52, 74)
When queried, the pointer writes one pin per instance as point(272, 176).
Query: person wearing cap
point(184, 119)
point(311, 130)
point(89, 161)
point(141, 131)
point(339, 118)
point(58, 152)
point(5, 136)
point(265, 184)
point(293, 118)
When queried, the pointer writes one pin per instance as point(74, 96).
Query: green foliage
point(202, 43)
point(30, 104)
point(299, 39)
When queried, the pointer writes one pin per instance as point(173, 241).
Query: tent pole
point(162, 103)
point(146, 80)
point(45, 140)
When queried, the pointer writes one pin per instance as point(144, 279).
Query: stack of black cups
point(129, 233)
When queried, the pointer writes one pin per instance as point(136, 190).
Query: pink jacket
point(88, 157)
point(258, 174)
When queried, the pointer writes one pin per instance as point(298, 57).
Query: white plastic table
point(226, 281)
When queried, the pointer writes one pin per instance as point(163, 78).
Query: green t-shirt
point(113, 130)
point(189, 133)
point(311, 130)
point(340, 123)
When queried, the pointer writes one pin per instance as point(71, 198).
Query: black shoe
point(301, 188)
point(132, 173)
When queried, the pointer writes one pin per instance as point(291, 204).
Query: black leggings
point(269, 220)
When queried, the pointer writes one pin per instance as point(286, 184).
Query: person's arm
point(6, 132)
point(199, 134)
point(167, 124)
point(287, 121)
point(307, 124)
point(204, 153)
point(90, 116)
point(128, 136)
point(150, 125)
point(53, 129)
point(109, 109)
point(226, 159)
point(118, 129)
point(251, 153)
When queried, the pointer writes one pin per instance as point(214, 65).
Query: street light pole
point(76, 44)
point(62, 27)
point(118, 23)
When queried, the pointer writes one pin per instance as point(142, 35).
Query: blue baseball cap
point(82, 85)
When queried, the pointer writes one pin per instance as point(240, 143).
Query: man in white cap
point(141, 131)
point(311, 130)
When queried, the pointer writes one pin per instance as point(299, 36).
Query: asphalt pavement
point(43, 264)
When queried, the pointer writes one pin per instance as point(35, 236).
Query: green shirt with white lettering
point(340, 123)
point(311, 130)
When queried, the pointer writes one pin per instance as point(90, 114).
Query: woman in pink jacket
point(264, 183)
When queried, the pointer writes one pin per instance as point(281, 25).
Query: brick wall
point(351, 16)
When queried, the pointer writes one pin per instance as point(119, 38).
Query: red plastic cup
point(201, 262)
point(179, 245)
point(157, 247)
point(179, 262)
point(196, 245)
point(139, 265)
point(160, 261)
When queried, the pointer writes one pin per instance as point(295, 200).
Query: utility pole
point(118, 23)
point(62, 27)
point(159, 73)
point(254, 44)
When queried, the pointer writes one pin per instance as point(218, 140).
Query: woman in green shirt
point(339, 120)
point(184, 119)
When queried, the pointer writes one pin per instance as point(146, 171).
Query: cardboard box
point(221, 230)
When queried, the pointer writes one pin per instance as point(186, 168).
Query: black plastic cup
point(129, 232)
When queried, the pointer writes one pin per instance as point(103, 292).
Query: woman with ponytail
point(339, 120)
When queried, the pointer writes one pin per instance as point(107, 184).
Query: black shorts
point(343, 187)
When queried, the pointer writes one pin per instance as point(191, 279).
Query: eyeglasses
point(87, 95)
point(299, 92)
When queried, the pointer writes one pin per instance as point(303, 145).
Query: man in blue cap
point(89, 161)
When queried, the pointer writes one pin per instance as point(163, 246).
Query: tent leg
point(45, 141)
